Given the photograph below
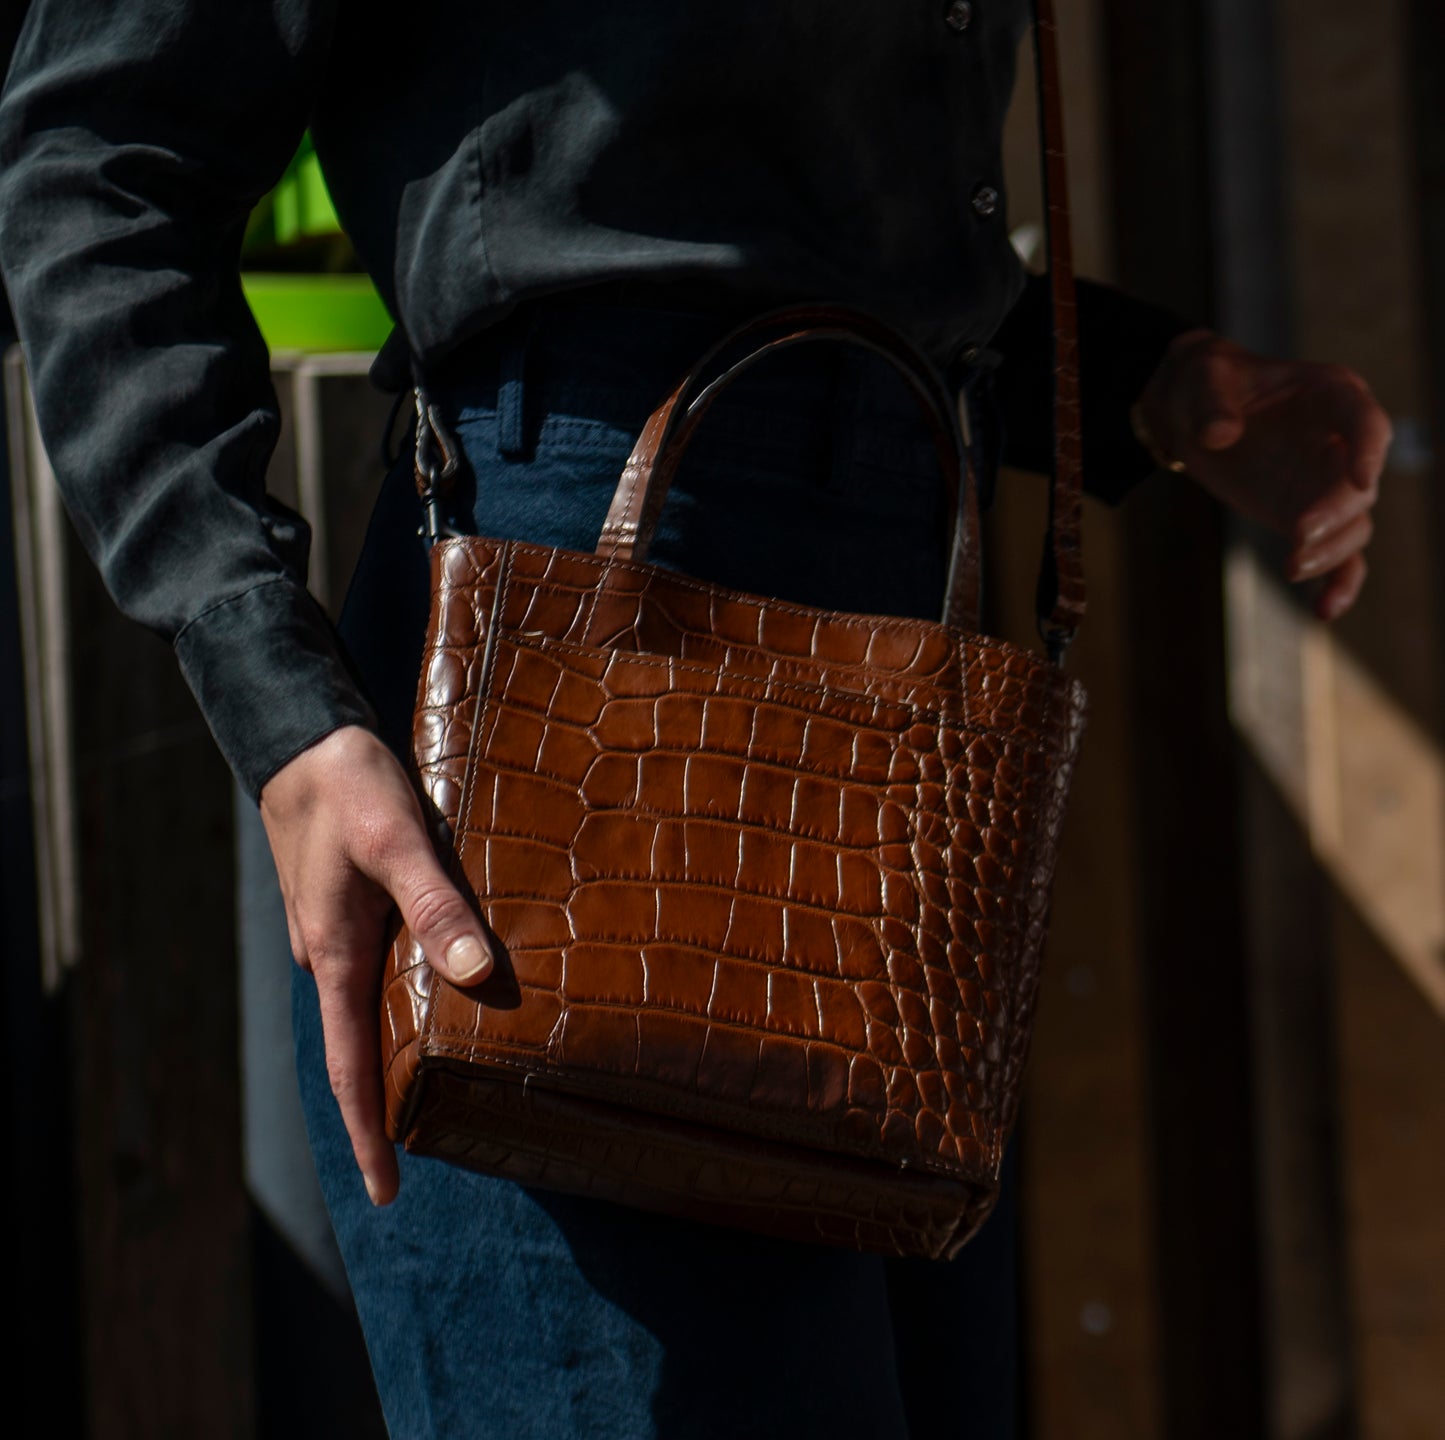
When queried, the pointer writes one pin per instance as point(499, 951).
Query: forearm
point(133, 141)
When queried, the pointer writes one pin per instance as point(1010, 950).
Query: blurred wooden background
point(1236, 1125)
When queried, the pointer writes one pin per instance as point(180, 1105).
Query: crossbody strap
point(1060, 597)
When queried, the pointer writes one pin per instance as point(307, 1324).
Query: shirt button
point(958, 15)
point(985, 201)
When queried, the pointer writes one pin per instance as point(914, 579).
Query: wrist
point(1149, 417)
point(329, 758)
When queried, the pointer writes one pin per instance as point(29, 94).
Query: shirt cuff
point(267, 671)
point(1122, 342)
point(1122, 339)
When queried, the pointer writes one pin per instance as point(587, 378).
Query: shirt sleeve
point(134, 140)
point(1121, 342)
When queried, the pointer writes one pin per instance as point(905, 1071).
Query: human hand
point(1296, 447)
point(347, 835)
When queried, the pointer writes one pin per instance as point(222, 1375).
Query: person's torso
point(770, 150)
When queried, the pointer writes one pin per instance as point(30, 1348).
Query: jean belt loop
point(512, 392)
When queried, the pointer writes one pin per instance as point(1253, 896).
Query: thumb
point(440, 920)
point(1218, 409)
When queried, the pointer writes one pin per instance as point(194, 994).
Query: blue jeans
point(491, 1310)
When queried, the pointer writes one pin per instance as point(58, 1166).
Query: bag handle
point(1060, 596)
point(631, 522)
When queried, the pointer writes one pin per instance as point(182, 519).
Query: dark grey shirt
point(480, 154)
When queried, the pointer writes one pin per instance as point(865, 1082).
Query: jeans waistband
point(613, 362)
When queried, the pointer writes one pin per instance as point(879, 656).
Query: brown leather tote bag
point(767, 884)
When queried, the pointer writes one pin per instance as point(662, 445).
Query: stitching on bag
point(532, 640)
point(617, 532)
point(689, 582)
point(541, 644)
point(1044, 677)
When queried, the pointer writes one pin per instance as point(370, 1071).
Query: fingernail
point(467, 959)
point(371, 1190)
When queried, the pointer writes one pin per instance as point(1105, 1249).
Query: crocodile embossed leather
point(768, 885)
